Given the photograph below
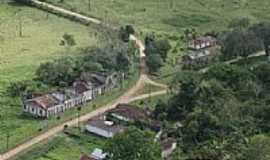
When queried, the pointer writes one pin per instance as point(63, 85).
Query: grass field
point(169, 18)
point(20, 56)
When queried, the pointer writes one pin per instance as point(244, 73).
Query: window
point(33, 109)
point(40, 112)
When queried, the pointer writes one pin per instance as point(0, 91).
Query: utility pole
point(8, 136)
point(89, 5)
point(79, 114)
point(20, 27)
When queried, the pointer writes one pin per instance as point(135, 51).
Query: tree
point(160, 47)
point(125, 32)
point(133, 144)
point(61, 72)
point(262, 30)
point(154, 62)
point(184, 101)
point(262, 72)
point(242, 23)
point(258, 148)
point(240, 43)
point(68, 40)
point(123, 62)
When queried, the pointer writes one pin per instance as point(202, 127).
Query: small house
point(97, 154)
point(101, 127)
point(129, 113)
point(202, 42)
point(43, 106)
point(168, 145)
point(200, 58)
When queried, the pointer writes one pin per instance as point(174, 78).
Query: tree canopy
point(133, 144)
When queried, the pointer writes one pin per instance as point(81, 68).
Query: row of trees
point(224, 113)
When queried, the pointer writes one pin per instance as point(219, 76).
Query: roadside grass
point(64, 146)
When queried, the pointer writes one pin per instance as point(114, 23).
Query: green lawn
point(20, 56)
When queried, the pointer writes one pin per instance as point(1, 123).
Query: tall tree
point(133, 144)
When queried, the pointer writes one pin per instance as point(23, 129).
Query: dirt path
point(54, 9)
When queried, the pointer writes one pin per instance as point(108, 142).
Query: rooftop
point(45, 101)
point(131, 112)
point(101, 123)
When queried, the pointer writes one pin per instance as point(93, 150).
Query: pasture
point(170, 17)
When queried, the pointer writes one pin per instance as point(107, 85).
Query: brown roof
point(80, 87)
point(99, 122)
point(131, 112)
point(85, 157)
point(45, 101)
point(167, 143)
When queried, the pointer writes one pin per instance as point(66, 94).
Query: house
point(168, 145)
point(90, 85)
point(202, 42)
point(97, 154)
point(129, 113)
point(43, 106)
point(101, 127)
point(85, 88)
point(69, 98)
point(200, 58)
